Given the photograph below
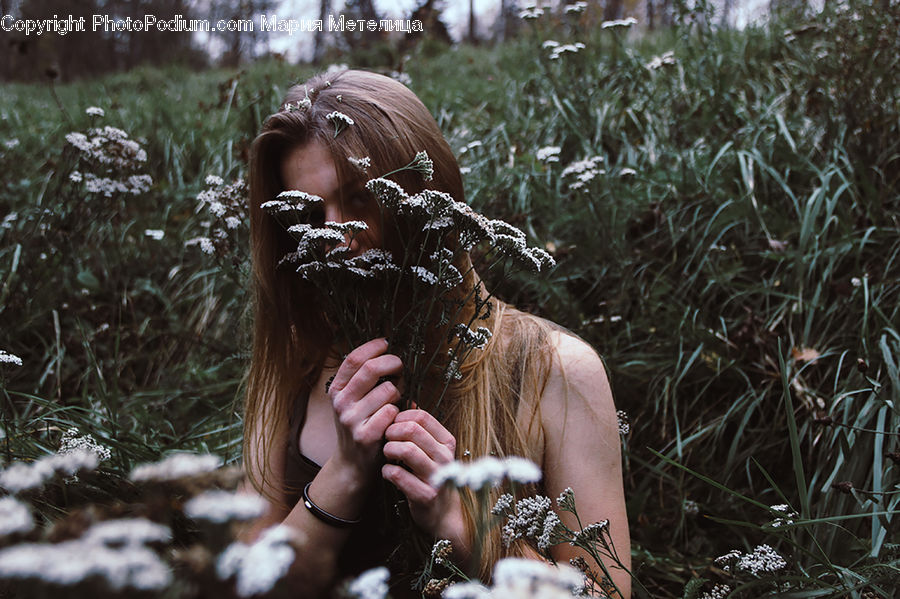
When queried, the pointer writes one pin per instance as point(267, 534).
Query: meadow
point(723, 206)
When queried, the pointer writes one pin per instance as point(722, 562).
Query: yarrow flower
point(340, 121)
point(8, 358)
point(15, 517)
point(487, 471)
point(441, 551)
point(583, 171)
point(622, 421)
point(362, 164)
point(624, 23)
point(260, 565)
point(577, 7)
point(10, 144)
point(20, 477)
point(561, 49)
point(520, 577)
point(424, 165)
point(532, 12)
point(657, 62)
point(72, 562)
point(786, 516)
point(94, 111)
point(176, 466)
point(526, 520)
point(71, 442)
point(156, 234)
point(720, 591)
point(763, 559)
point(548, 154)
point(371, 584)
point(224, 506)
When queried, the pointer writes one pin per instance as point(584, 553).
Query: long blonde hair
point(291, 338)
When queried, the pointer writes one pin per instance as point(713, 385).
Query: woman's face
point(310, 168)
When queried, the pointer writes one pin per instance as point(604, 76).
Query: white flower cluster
point(424, 165)
point(11, 144)
point(440, 551)
point(227, 203)
point(619, 23)
point(557, 49)
point(176, 466)
point(622, 422)
point(20, 477)
point(156, 234)
point(720, 591)
point(531, 518)
point(532, 12)
point(403, 78)
point(127, 532)
point(109, 146)
point(362, 164)
point(658, 62)
point(487, 471)
point(591, 534)
point(371, 584)
point(133, 184)
point(577, 7)
point(520, 577)
point(8, 358)
point(583, 171)
point(15, 517)
point(259, 565)
point(786, 516)
point(477, 339)
point(72, 442)
point(72, 562)
point(548, 154)
point(763, 559)
point(220, 507)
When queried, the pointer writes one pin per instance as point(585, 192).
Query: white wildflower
point(549, 44)
point(590, 534)
point(424, 275)
point(856, 281)
point(487, 471)
point(371, 584)
point(690, 507)
point(657, 62)
point(532, 12)
point(156, 234)
point(625, 23)
point(763, 559)
point(622, 421)
point(70, 442)
point(720, 591)
point(339, 120)
point(15, 517)
point(232, 222)
point(72, 562)
point(205, 243)
point(175, 466)
point(577, 7)
point(21, 477)
point(11, 143)
point(566, 48)
point(362, 164)
point(466, 590)
point(8, 358)
point(214, 180)
point(527, 520)
point(548, 535)
point(548, 154)
point(504, 503)
point(224, 506)
point(424, 165)
point(94, 111)
point(127, 532)
point(260, 565)
point(535, 578)
point(403, 78)
point(627, 171)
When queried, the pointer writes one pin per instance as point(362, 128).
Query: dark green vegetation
point(743, 282)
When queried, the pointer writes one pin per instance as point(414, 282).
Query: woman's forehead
point(310, 168)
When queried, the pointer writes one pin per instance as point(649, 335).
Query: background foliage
point(735, 258)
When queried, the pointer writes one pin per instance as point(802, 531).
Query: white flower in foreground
point(548, 154)
point(466, 590)
point(487, 471)
point(127, 532)
point(625, 23)
point(179, 465)
point(371, 584)
point(28, 477)
point(8, 358)
point(15, 517)
point(72, 562)
point(72, 442)
point(225, 506)
point(156, 234)
point(534, 578)
point(214, 180)
point(260, 565)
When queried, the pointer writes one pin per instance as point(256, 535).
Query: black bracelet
point(322, 515)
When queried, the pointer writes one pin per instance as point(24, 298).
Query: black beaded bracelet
point(322, 515)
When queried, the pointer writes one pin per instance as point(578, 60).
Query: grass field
point(732, 250)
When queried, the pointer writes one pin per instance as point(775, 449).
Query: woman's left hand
point(422, 444)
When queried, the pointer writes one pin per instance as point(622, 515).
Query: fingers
point(416, 490)
point(412, 419)
point(372, 431)
point(355, 360)
point(350, 412)
point(413, 433)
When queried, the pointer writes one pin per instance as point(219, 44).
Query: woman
point(324, 435)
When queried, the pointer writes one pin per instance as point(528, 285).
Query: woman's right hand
point(363, 408)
